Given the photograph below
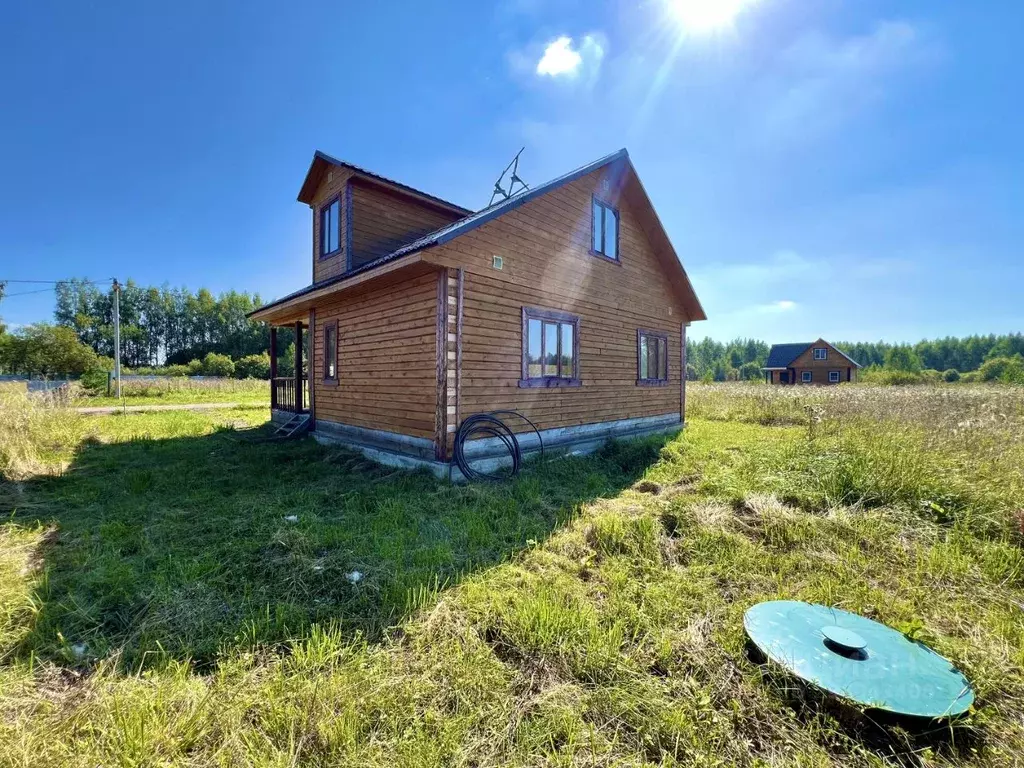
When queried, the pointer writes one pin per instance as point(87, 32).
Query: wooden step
point(296, 425)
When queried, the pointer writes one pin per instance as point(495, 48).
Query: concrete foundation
point(397, 450)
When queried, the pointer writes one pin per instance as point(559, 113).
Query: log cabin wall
point(544, 247)
point(332, 187)
point(383, 221)
point(386, 358)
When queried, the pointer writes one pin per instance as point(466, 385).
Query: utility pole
point(117, 339)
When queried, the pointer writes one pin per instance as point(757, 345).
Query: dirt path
point(101, 410)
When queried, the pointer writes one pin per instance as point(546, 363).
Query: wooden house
point(816, 362)
point(565, 302)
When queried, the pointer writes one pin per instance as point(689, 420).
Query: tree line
point(742, 359)
point(161, 326)
point(178, 330)
point(163, 330)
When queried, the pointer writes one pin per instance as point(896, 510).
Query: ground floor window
point(833, 377)
point(807, 377)
point(651, 357)
point(550, 348)
point(331, 351)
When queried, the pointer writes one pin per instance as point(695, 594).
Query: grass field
point(158, 607)
point(184, 390)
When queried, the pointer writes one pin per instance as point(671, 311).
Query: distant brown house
point(816, 362)
point(565, 302)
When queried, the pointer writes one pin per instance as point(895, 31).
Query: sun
point(705, 16)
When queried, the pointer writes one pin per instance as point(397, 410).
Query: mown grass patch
point(589, 613)
point(171, 391)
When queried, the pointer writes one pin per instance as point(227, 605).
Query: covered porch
point(289, 392)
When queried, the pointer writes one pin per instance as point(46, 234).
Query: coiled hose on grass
point(482, 425)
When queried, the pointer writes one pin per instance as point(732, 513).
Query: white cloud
point(559, 58)
point(562, 58)
point(779, 306)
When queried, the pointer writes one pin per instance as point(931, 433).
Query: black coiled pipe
point(482, 425)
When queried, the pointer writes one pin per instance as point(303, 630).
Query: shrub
point(931, 376)
point(751, 372)
point(95, 380)
point(175, 370)
point(253, 367)
point(1009, 370)
point(970, 377)
point(951, 375)
point(194, 368)
point(876, 375)
point(218, 365)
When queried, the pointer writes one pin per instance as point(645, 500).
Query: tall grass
point(37, 433)
point(611, 634)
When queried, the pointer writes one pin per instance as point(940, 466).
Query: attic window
point(820, 353)
point(604, 230)
point(330, 228)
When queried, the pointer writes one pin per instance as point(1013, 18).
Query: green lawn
point(185, 391)
point(157, 606)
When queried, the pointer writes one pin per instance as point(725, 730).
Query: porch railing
point(283, 393)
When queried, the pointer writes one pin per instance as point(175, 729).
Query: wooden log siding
point(545, 247)
point(383, 221)
point(331, 266)
point(386, 358)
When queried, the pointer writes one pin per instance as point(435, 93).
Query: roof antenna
point(500, 191)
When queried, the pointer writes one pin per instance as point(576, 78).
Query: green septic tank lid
point(858, 659)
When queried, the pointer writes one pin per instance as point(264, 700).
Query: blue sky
point(851, 170)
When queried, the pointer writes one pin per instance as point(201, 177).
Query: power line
point(54, 282)
point(26, 293)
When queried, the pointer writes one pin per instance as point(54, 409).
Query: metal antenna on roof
point(503, 193)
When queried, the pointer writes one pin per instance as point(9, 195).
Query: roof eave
point(311, 182)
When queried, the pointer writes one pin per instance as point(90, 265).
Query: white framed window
point(833, 377)
point(806, 377)
point(820, 353)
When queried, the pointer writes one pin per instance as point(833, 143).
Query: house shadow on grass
point(186, 547)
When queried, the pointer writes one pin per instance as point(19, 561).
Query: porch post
point(298, 366)
point(273, 366)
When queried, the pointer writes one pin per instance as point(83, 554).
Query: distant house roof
point(474, 220)
point(781, 355)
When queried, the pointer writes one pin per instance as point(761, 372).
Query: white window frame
point(823, 351)
point(806, 377)
point(838, 376)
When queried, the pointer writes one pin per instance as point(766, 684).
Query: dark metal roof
point(446, 233)
point(449, 231)
point(781, 355)
point(308, 189)
point(474, 220)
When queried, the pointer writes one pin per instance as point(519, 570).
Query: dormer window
point(820, 353)
point(330, 228)
point(604, 230)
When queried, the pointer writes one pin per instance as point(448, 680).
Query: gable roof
point(781, 355)
point(453, 230)
point(322, 161)
point(646, 214)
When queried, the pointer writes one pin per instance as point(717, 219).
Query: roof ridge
point(319, 154)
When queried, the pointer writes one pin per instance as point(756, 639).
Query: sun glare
point(704, 16)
